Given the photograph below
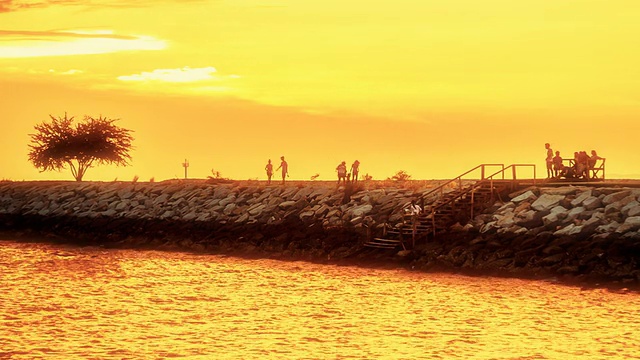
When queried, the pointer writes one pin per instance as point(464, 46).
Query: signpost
point(185, 165)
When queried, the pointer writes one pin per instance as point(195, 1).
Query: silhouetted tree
point(94, 141)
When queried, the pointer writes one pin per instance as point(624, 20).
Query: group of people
point(352, 176)
point(343, 176)
point(580, 166)
point(283, 165)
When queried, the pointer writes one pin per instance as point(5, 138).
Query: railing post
point(491, 184)
point(473, 193)
point(433, 221)
point(482, 173)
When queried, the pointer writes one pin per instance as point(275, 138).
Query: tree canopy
point(93, 141)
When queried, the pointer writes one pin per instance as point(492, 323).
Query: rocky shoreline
point(571, 232)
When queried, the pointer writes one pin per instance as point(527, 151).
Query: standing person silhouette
point(354, 171)
point(285, 168)
point(342, 172)
point(549, 160)
point(269, 169)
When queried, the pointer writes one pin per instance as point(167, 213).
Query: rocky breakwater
point(577, 231)
point(306, 221)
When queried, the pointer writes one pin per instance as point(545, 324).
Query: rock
point(618, 205)
point(229, 208)
point(571, 229)
point(546, 201)
point(632, 223)
point(617, 196)
point(633, 206)
point(527, 196)
point(457, 227)
point(608, 228)
point(505, 220)
point(581, 198)
point(574, 213)
point(256, 209)
point(523, 206)
point(306, 214)
point(552, 260)
point(286, 204)
point(506, 206)
point(228, 200)
point(591, 203)
point(361, 210)
point(564, 190)
point(404, 253)
point(634, 211)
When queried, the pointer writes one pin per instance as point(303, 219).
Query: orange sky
point(427, 86)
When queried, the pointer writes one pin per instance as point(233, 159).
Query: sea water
point(65, 302)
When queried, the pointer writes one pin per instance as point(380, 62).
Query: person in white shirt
point(414, 209)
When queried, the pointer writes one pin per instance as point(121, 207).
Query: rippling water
point(69, 302)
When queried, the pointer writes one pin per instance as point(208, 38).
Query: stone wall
point(590, 232)
point(583, 232)
point(305, 220)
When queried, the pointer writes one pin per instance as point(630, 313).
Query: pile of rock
point(204, 212)
point(581, 231)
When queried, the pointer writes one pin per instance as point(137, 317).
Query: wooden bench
point(596, 172)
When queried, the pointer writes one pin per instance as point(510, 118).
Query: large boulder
point(631, 223)
point(528, 196)
point(617, 196)
point(581, 198)
point(546, 201)
point(592, 203)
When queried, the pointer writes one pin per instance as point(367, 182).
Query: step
point(390, 241)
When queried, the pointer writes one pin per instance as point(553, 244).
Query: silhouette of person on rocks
point(354, 171)
point(269, 169)
point(342, 172)
point(285, 168)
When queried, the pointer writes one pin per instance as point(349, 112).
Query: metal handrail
point(459, 179)
point(477, 185)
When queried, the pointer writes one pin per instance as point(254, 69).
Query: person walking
point(354, 171)
point(285, 168)
point(269, 169)
point(342, 172)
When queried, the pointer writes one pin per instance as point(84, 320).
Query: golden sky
point(431, 87)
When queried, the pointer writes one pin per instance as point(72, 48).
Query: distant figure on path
point(593, 159)
point(342, 172)
point(583, 164)
point(549, 160)
point(354, 171)
point(558, 167)
point(285, 168)
point(414, 209)
point(269, 169)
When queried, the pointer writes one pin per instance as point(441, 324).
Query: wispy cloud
point(181, 75)
point(17, 5)
point(20, 44)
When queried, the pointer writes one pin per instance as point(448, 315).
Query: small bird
point(315, 176)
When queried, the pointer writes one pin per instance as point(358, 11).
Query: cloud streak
point(180, 75)
point(13, 5)
point(23, 44)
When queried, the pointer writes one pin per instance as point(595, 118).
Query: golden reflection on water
point(66, 302)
